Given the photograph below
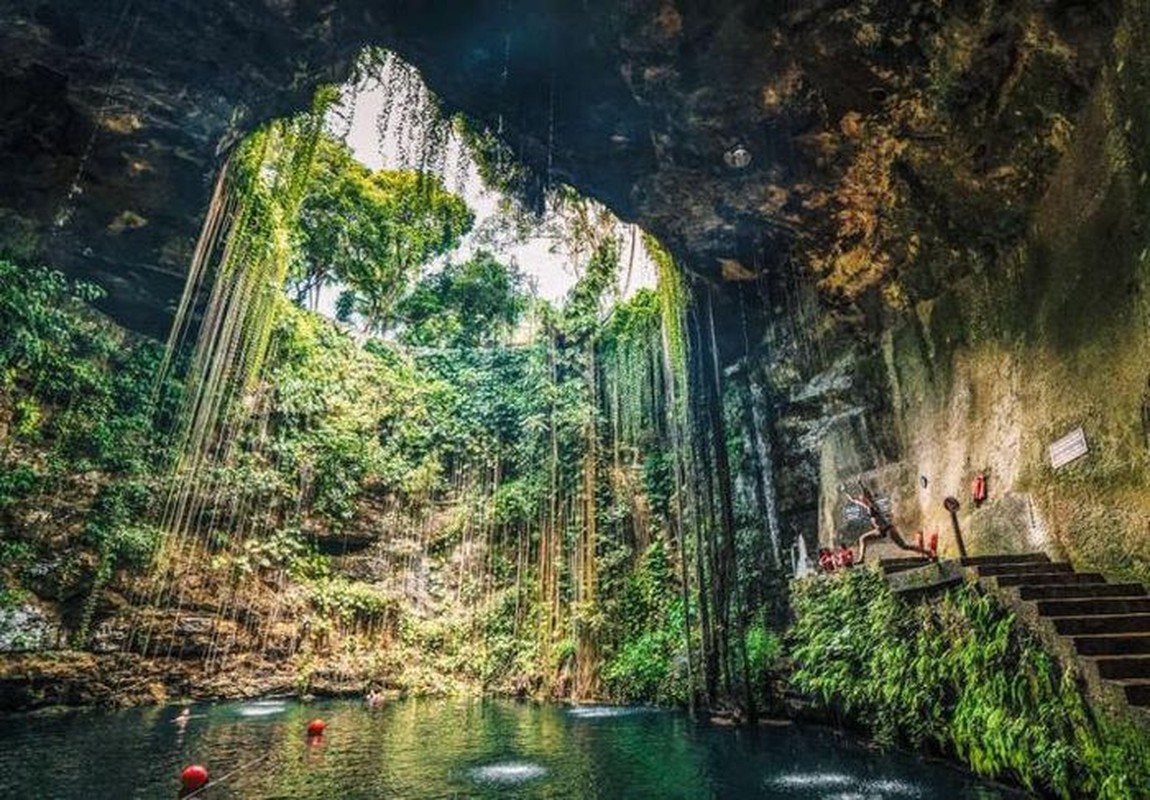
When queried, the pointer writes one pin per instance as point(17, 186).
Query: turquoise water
point(445, 749)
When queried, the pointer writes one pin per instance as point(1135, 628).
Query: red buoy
point(316, 727)
point(193, 778)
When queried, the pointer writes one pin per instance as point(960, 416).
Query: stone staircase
point(1100, 628)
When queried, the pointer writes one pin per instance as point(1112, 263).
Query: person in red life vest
point(831, 560)
point(881, 527)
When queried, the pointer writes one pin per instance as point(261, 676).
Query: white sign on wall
point(1070, 447)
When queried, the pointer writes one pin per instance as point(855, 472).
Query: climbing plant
point(553, 457)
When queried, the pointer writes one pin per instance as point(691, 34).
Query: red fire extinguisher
point(978, 489)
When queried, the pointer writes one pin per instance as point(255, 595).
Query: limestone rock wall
point(1047, 331)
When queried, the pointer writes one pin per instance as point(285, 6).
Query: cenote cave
point(653, 398)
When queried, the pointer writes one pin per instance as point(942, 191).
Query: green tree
point(583, 312)
point(473, 304)
point(370, 232)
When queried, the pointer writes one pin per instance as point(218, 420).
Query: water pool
point(446, 749)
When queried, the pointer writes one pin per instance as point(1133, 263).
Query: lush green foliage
point(285, 550)
point(370, 232)
point(647, 662)
point(344, 418)
point(250, 254)
point(17, 482)
point(350, 602)
point(763, 648)
point(119, 527)
point(543, 473)
point(473, 304)
point(961, 675)
point(501, 434)
point(78, 386)
point(83, 398)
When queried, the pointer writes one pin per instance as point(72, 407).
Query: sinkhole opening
point(414, 430)
point(413, 416)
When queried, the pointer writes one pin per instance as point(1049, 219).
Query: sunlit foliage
point(476, 303)
point(370, 232)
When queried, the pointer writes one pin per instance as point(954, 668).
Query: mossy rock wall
point(1046, 336)
point(958, 674)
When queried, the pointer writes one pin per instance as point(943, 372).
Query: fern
point(963, 677)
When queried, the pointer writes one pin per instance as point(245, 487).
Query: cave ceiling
point(730, 129)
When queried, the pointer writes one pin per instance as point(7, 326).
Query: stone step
point(1071, 591)
point(994, 570)
point(1093, 626)
point(901, 561)
point(915, 593)
point(1022, 558)
point(1122, 667)
point(897, 568)
point(1115, 645)
point(1094, 607)
point(1137, 692)
point(1048, 578)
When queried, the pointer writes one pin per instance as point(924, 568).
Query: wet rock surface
point(28, 627)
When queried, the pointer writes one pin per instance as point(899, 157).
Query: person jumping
point(880, 526)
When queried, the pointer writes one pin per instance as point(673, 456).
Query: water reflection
point(508, 772)
point(439, 749)
point(262, 708)
point(844, 786)
point(606, 712)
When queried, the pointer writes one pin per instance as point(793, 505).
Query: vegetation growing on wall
point(82, 421)
point(520, 444)
point(534, 484)
point(959, 676)
point(81, 388)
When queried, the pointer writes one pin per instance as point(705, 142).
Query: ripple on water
point(605, 712)
point(261, 708)
point(852, 788)
point(508, 772)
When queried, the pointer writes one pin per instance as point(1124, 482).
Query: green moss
point(18, 238)
point(959, 675)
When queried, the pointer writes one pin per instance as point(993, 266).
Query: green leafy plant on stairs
point(962, 677)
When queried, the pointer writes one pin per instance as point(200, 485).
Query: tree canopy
point(473, 304)
point(371, 232)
